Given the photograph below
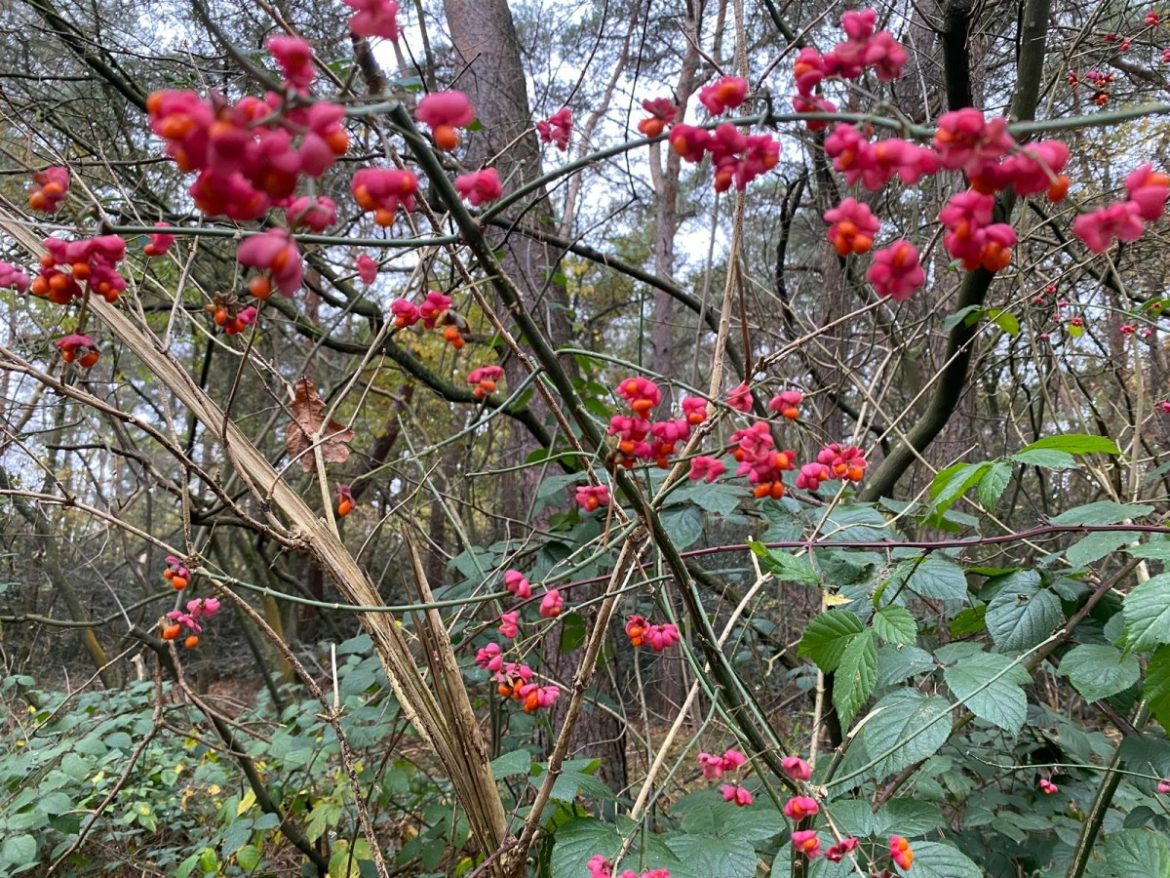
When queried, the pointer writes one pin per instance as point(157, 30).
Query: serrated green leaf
point(1156, 688)
point(968, 621)
point(989, 685)
point(1147, 614)
point(1005, 320)
point(1075, 443)
point(936, 579)
point(248, 857)
point(933, 859)
point(1157, 550)
point(19, 850)
point(952, 483)
point(1022, 615)
point(705, 855)
point(827, 636)
point(905, 727)
point(1098, 671)
point(1092, 548)
point(1103, 512)
point(992, 484)
point(1046, 458)
point(968, 316)
point(1133, 852)
point(896, 663)
point(784, 566)
point(856, 675)
point(684, 526)
point(516, 762)
point(895, 624)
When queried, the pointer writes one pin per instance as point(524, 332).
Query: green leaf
point(1075, 443)
point(783, 566)
point(1022, 614)
point(577, 841)
point(19, 850)
point(705, 855)
point(1098, 671)
point(933, 859)
point(992, 485)
point(572, 632)
point(1103, 512)
point(908, 818)
point(1046, 458)
point(1133, 852)
point(1147, 614)
point(936, 579)
point(1156, 688)
point(856, 675)
point(509, 764)
point(895, 624)
point(1157, 550)
point(952, 483)
point(827, 636)
point(989, 685)
point(718, 498)
point(1092, 548)
point(684, 526)
point(968, 316)
point(577, 775)
point(969, 621)
point(248, 857)
point(1005, 320)
point(905, 727)
point(896, 663)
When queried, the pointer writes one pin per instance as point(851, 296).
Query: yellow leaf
point(836, 600)
point(213, 790)
point(246, 803)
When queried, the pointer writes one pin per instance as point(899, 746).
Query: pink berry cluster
point(638, 438)
point(50, 188)
point(374, 18)
point(1126, 220)
point(67, 265)
point(737, 157)
point(592, 497)
point(434, 311)
point(600, 867)
point(384, 191)
point(78, 348)
point(14, 277)
point(275, 255)
point(658, 637)
point(250, 156)
point(714, 767)
point(479, 187)
point(557, 128)
point(864, 48)
point(834, 461)
point(514, 680)
point(160, 242)
point(484, 380)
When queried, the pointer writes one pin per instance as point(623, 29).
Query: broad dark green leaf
point(895, 624)
point(989, 685)
point(1103, 512)
point(1022, 615)
point(856, 675)
point(1098, 671)
point(906, 727)
point(827, 636)
point(1147, 614)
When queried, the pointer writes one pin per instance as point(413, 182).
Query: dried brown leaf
point(308, 411)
